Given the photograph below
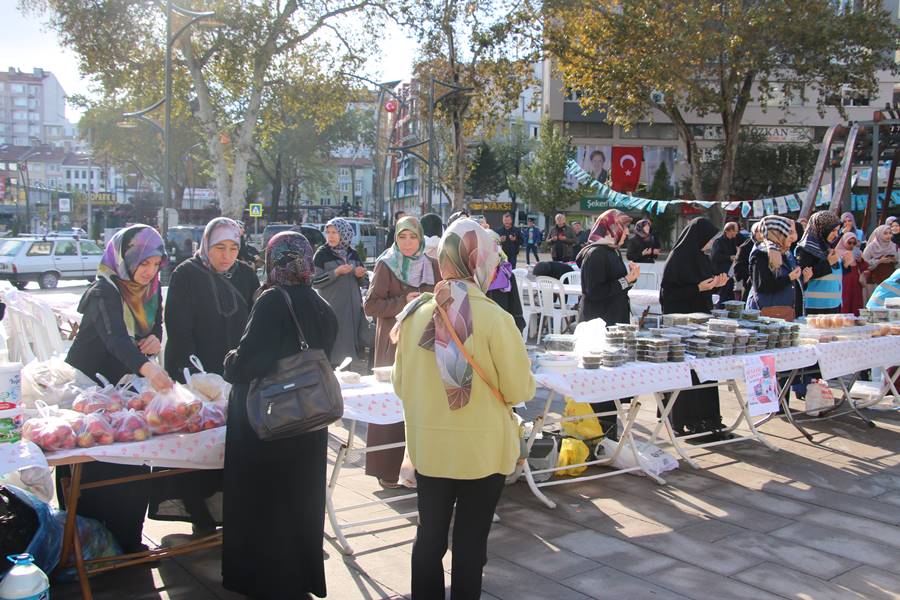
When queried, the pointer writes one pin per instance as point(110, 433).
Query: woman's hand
point(360, 272)
point(412, 296)
point(795, 274)
point(158, 378)
point(634, 271)
point(707, 284)
point(887, 259)
point(149, 345)
point(833, 257)
point(343, 269)
point(848, 260)
point(807, 274)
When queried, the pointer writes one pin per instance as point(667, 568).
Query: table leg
point(536, 427)
point(339, 461)
point(664, 420)
point(71, 544)
point(745, 415)
point(628, 438)
point(852, 404)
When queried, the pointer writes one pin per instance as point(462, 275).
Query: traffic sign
point(256, 210)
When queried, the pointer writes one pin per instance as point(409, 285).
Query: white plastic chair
point(571, 278)
point(553, 307)
point(647, 281)
point(530, 309)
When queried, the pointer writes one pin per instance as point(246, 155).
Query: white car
point(47, 260)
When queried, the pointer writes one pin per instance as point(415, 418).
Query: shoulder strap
point(466, 354)
point(233, 288)
point(290, 305)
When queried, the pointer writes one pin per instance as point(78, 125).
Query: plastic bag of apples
point(170, 411)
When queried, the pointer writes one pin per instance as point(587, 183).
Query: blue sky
point(26, 44)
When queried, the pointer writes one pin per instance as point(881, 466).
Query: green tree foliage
point(486, 179)
point(477, 44)
point(542, 180)
point(712, 57)
point(227, 74)
point(661, 187)
point(763, 170)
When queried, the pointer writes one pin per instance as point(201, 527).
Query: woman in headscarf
point(853, 279)
point(880, 256)
point(119, 334)
point(742, 261)
point(504, 290)
point(275, 490)
point(207, 307)
point(402, 273)
point(773, 270)
point(894, 224)
point(821, 264)
point(848, 225)
point(642, 247)
point(339, 273)
point(433, 229)
point(461, 434)
point(605, 282)
point(687, 286)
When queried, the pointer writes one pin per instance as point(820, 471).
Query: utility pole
point(90, 212)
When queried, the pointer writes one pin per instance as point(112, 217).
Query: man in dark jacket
point(581, 237)
point(561, 238)
point(510, 239)
point(723, 256)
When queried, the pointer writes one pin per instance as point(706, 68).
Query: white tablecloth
point(732, 367)
point(632, 379)
point(842, 358)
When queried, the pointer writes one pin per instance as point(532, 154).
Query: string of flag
point(778, 205)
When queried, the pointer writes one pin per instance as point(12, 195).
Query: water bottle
point(25, 581)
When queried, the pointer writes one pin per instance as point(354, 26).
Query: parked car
point(312, 234)
point(182, 242)
point(47, 260)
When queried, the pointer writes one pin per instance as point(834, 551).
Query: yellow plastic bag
point(573, 452)
point(587, 428)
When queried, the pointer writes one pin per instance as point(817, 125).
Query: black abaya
point(685, 268)
point(275, 490)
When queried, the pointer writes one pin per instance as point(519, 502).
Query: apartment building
point(32, 108)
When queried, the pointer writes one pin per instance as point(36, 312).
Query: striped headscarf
point(775, 231)
point(124, 253)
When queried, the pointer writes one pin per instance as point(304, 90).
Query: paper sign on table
point(762, 386)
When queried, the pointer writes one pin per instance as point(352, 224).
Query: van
point(365, 233)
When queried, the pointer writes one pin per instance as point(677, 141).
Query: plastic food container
point(675, 319)
point(559, 342)
point(383, 374)
point(750, 314)
point(713, 352)
point(720, 313)
point(724, 325)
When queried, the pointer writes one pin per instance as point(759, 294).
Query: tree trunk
point(459, 162)
point(690, 144)
point(276, 187)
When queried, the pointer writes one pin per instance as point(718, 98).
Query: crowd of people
point(445, 307)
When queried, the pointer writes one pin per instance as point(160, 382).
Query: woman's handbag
point(779, 312)
point(300, 394)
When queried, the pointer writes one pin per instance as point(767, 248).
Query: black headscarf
point(687, 263)
point(815, 238)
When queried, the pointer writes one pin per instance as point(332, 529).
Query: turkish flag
point(626, 167)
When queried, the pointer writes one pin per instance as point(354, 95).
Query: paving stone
point(605, 582)
point(711, 531)
point(793, 584)
point(843, 544)
point(707, 556)
point(537, 554)
point(614, 552)
point(700, 584)
point(871, 583)
point(508, 581)
point(796, 556)
point(874, 530)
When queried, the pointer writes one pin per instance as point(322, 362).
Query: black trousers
point(475, 501)
point(529, 248)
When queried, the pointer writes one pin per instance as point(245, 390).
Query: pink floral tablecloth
point(732, 367)
point(372, 402)
point(842, 358)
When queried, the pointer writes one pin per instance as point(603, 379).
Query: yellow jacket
point(481, 438)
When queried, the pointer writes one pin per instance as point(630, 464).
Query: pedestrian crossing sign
point(256, 210)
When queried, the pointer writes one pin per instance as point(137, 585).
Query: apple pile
point(129, 426)
point(210, 416)
point(169, 412)
point(97, 398)
point(50, 433)
point(92, 430)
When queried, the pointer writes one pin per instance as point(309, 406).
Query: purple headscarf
point(502, 278)
point(289, 260)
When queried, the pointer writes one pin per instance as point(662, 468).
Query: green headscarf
point(413, 270)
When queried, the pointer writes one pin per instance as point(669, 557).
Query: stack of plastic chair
point(553, 306)
point(531, 308)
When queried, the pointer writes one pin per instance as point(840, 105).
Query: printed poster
point(762, 386)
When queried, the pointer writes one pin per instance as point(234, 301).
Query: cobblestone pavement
point(809, 521)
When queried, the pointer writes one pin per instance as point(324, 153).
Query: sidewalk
point(810, 521)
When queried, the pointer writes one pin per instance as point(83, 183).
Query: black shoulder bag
point(300, 394)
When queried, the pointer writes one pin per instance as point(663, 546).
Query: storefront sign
point(588, 204)
point(766, 133)
point(490, 205)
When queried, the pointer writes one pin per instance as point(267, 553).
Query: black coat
point(685, 268)
point(635, 247)
point(275, 490)
point(205, 315)
point(102, 344)
point(742, 262)
point(603, 293)
point(722, 251)
point(510, 302)
point(513, 241)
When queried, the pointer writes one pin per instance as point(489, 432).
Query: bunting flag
point(789, 203)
